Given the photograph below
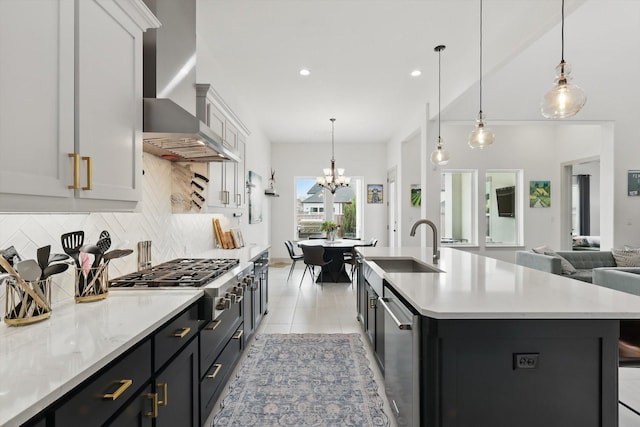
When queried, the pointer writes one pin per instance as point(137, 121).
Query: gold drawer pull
point(89, 173)
point(215, 324)
point(215, 373)
point(76, 171)
point(165, 394)
point(124, 384)
point(182, 333)
point(154, 405)
point(239, 299)
point(238, 335)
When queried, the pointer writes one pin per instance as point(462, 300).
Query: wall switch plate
point(525, 360)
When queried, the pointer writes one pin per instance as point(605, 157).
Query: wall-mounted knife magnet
point(195, 193)
point(202, 177)
point(198, 186)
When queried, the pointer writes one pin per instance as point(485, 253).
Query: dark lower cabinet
point(177, 389)
point(139, 412)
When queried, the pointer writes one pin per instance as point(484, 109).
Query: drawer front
point(215, 335)
point(213, 382)
point(175, 335)
point(104, 395)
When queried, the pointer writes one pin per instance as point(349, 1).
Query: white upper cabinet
point(71, 104)
point(226, 179)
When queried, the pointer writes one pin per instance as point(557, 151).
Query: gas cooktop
point(191, 272)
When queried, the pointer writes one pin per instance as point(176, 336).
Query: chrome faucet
point(434, 229)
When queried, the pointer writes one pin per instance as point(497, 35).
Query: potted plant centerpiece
point(330, 228)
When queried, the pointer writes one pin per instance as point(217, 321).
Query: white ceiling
point(360, 53)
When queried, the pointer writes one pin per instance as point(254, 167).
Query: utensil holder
point(92, 285)
point(21, 308)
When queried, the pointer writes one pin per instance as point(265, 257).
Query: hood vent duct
point(171, 129)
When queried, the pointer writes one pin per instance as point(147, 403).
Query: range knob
point(238, 290)
point(248, 280)
point(231, 297)
point(223, 304)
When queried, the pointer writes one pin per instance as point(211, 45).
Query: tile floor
point(332, 309)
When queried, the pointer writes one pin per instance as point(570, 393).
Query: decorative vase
point(331, 235)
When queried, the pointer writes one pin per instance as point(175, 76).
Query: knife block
point(92, 285)
point(21, 308)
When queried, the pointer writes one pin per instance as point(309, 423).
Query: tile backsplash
point(173, 235)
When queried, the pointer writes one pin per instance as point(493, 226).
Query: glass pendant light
point(565, 99)
point(481, 136)
point(439, 156)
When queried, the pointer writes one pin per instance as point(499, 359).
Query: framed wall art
point(539, 194)
point(633, 183)
point(416, 195)
point(374, 193)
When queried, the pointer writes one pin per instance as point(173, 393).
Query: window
point(458, 207)
point(312, 208)
point(503, 207)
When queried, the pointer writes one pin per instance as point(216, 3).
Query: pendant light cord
point(439, 73)
point(562, 32)
point(481, 57)
point(333, 157)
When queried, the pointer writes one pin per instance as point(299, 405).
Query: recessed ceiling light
point(416, 73)
point(305, 72)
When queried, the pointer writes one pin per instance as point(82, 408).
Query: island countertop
point(476, 287)
point(41, 362)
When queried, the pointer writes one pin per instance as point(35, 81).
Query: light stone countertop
point(478, 287)
point(40, 362)
point(247, 253)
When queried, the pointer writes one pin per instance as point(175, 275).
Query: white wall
point(410, 171)
point(601, 38)
point(301, 160)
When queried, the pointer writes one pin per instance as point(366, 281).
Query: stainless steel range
point(224, 281)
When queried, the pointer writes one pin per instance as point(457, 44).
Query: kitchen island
point(499, 344)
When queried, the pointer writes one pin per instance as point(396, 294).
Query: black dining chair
point(350, 257)
point(293, 255)
point(313, 256)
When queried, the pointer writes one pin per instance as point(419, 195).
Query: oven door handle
point(401, 326)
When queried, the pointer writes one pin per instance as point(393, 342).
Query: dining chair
point(293, 255)
point(313, 256)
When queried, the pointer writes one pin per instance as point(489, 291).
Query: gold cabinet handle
point(215, 372)
point(238, 335)
point(154, 405)
point(182, 333)
point(76, 171)
point(124, 385)
point(239, 299)
point(165, 394)
point(372, 303)
point(214, 325)
point(238, 199)
point(225, 197)
point(89, 173)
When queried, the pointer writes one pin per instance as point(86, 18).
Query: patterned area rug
point(304, 380)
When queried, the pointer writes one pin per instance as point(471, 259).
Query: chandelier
point(333, 178)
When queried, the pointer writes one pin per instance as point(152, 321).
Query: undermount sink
point(405, 265)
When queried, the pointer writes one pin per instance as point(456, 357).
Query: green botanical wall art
point(539, 194)
point(416, 195)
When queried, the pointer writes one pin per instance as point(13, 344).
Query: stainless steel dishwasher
point(401, 358)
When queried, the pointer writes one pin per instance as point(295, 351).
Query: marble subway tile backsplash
point(173, 235)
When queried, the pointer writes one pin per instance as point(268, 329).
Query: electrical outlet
point(525, 360)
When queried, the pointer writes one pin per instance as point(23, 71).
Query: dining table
point(334, 251)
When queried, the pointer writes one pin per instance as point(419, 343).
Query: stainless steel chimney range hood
point(169, 129)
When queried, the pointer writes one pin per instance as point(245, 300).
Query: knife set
point(188, 188)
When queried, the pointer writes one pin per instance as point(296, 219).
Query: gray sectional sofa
point(583, 261)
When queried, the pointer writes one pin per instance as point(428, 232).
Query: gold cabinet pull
point(218, 366)
point(76, 171)
point(214, 325)
point(165, 394)
point(238, 335)
point(124, 384)
point(154, 405)
point(372, 303)
point(89, 173)
point(182, 333)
